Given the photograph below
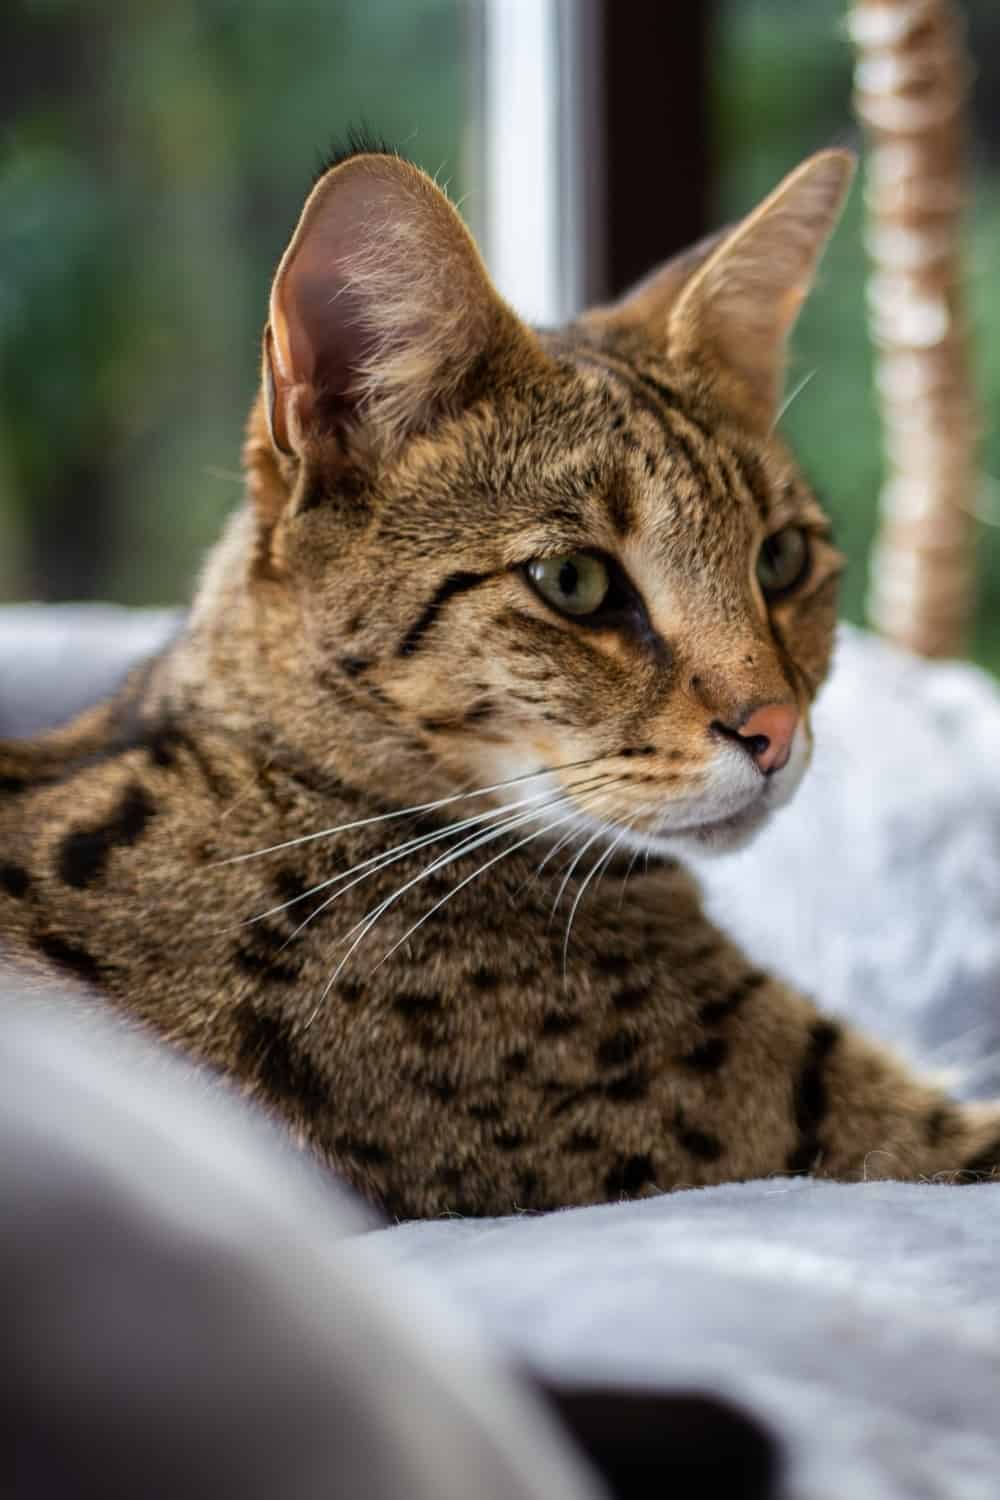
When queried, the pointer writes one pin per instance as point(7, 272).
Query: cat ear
point(735, 313)
point(647, 305)
point(381, 309)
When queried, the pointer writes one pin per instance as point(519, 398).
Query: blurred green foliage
point(782, 89)
point(154, 157)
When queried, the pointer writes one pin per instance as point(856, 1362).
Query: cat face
point(578, 563)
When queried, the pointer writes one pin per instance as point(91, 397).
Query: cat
point(505, 614)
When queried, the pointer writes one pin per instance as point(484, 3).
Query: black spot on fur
point(262, 967)
point(14, 880)
point(72, 957)
point(455, 583)
point(289, 885)
point(84, 853)
point(632, 998)
point(417, 1005)
point(612, 963)
point(268, 1054)
point(714, 1011)
point(558, 1023)
point(630, 751)
point(353, 666)
point(616, 1049)
point(700, 1143)
point(708, 1056)
point(508, 1140)
point(485, 1112)
point(629, 1175)
point(628, 1089)
point(527, 1189)
point(13, 786)
point(811, 1101)
point(366, 1152)
point(582, 1141)
point(442, 1089)
point(516, 1062)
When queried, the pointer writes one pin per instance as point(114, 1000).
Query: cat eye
point(576, 584)
point(783, 560)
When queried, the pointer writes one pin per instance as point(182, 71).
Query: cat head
point(579, 561)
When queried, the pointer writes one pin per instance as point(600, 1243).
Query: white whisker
point(376, 862)
point(464, 882)
point(494, 813)
point(560, 844)
point(795, 391)
point(600, 863)
point(631, 866)
point(600, 833)
point(370, 919)
point(406, 812)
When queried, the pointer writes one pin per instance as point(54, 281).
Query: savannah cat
point(508, 621)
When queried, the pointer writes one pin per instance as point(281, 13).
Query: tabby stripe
point(659, 410)
point(72, 957)
point(714, 1011)
point(455, 583)
point(15, 880)
point(84, 852)
point(268, 1053)
point(752, 477)
point(812, 1101)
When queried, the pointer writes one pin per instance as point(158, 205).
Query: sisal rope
point(911, 82)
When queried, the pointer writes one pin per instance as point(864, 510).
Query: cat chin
point(725, 836)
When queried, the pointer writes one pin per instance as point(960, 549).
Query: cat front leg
point(809, 1094)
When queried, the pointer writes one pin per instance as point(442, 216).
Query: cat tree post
point(911, 81)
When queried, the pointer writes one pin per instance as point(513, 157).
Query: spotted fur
point(541, 1015)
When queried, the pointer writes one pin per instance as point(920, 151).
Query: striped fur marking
point(455, 583)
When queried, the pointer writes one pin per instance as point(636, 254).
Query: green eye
point(577, 584)
point(783, 560)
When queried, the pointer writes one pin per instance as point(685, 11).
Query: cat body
point(393, 834)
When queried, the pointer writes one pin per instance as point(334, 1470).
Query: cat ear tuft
point(381, 310)
point(734, 314)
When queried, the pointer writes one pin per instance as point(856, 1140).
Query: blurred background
point(153, 158)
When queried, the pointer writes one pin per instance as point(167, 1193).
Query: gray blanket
point(858, 1324)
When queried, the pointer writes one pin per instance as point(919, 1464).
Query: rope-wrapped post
point(911, 81)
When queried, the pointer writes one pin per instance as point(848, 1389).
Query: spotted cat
point(508, 623)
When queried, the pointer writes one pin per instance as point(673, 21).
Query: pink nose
point(768, 734)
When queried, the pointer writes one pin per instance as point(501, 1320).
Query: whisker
point(376, 862)
point(795, 391)
point(569, 873)
point(407, 812)
point(598, 865)
point(560, 844)
point(501, 812)
point(464, 882)
point(370, 919)
point(631, 866)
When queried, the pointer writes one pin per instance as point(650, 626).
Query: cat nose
point(766, 734)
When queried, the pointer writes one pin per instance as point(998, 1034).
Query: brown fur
point(364, 642)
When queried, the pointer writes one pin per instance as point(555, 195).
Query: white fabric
point(861, 1323)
